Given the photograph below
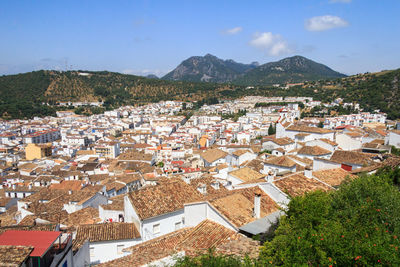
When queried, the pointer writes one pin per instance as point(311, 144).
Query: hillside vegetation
point(25, 95)
point(372, 91)
point(289, 70)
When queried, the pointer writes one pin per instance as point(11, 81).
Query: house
point(278, 152)
point(351, 160)
point(324, 143)
point(332, 177)
point(279, 164)
point(190, 241)
point(376, 146)
point(38, 151)
point(107, 149)
point(349, 140)
point(27, 169)
point(285, 143)
point(20, 191)
point(113, 211)
point(240, 156)
point(393, 138)
point(137, 157)
point(213, 157)
point(312, 132)
point(159, 210)
point(6, 203)
point(297, 184)
point(324, 164)
point(250, 210)
point(244, 175)
point(311, 152)
point(107, 240)
point(36, 248)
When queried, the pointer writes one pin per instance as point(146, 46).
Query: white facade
point(323, 164)
point(157, 226)
point(195, 213)
point(393, 139)
point(104, 251)
point(346, 142)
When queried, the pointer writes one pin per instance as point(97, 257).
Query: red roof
point(40, 240)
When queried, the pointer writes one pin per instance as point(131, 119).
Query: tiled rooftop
point(298, 184)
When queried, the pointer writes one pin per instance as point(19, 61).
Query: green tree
point(271, 129)
point(359, 224)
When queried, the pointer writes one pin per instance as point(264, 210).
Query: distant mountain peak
point(291, 69)
point(208, 68)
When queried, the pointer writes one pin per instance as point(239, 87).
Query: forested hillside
point(372, 91)
point(25, 95)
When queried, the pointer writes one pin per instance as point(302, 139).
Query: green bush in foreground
point(359, 224)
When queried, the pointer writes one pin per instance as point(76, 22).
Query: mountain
point(288, 70)
point(152, 76)
point(208, 69)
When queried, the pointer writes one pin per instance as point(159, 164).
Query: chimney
point(70, 192)
point(270, 177)
point(215, 185)
point(30, 186)
point(308, 173)
point(202, 188)
point(257, 205)
point(14, 186)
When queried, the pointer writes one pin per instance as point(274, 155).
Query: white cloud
point(323, 23)
point(273, 44)
point(232, 31)
point(340, 1)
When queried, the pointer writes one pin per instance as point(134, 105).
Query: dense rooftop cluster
point(140, 185)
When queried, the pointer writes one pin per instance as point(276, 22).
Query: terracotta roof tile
point(351, 157)
point(212, 155)
point(333, 177)
point(283, 161)
point(107, 232)
point(313, 150)
point(193, 241)
point(238, 206)
point(307, 129)
point(298, 184)
point(163, 198)
point(14, 255)
point(246, 174)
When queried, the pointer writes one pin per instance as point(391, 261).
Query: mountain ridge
point(213, 69)
point(208, 68)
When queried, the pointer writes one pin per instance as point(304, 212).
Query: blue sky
point(142, 37)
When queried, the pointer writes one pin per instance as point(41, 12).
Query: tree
point(271, 129)
point(321, 124)
point(359, 224)
point(160, 164)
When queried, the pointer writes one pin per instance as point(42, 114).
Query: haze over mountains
point(213, 69)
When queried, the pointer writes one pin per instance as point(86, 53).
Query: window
point(91, 252)
point(156, 228)
point(119, 249)
point(178, 225)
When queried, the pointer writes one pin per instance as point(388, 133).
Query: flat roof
point(40, 240)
